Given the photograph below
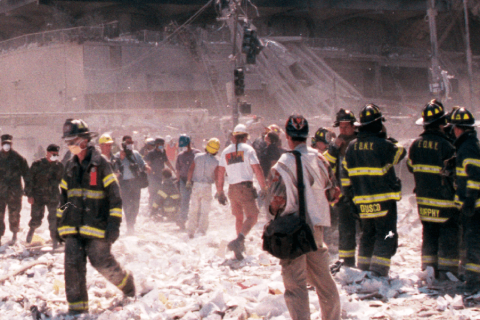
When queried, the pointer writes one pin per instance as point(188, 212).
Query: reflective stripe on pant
point(376, 245)
point(14, 204)
point(38, 212)
point(243, 205)
point(472, 245)
point(200, 202)
point(130, 200)
point(313, 268)
point(440, 245)
point(98, 252)
point(347, 233)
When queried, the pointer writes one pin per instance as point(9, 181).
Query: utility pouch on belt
point(289, 236)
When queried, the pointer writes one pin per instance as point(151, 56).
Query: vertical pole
point(435, 65)
point(468, 54)
point(235, 115)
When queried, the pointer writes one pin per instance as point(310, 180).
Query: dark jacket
point(335, 156)
point(368, 173)
point(43, 180)
point(435, 192)
point(167, 199)
point(468, 167)
point(12, 168)
point(93, 192)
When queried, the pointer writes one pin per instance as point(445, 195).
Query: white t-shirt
point(238, 165)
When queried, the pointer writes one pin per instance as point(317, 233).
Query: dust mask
point(54, 158)
point(75, 149)
point(130, 147)
point(6, 147)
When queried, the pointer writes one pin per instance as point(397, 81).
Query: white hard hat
point(240, 129)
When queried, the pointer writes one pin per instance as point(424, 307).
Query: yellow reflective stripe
point(364, 260)
point(461, 172)
point(426, 168)
point(78, 306)
point(346, 253)
point(155, 205)
point(109, 179)
point(94, 194)
point(94, 232)
point(116, 212)
point(59, 213)
point(436, 202)
point(124, 281)
point(170, 209)
point(175, 196)
point(473, 185)
point(162, 194)
point(377, 197)
point(66, 230)
point(369, 215)
point(398, 154)
point(381, 261)
point(409, 162)
point(346, 182)
point(473, 267)
point(470, 161)
point(460, 203)
point(75, 193)
point(429, 259)
point(344, 164)
point(432, 219)
point(369, 171)
point(329, 157)
point(448, 262)
point(64, 185)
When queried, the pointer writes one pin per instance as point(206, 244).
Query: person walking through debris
point(131, 163)
point(370, 180)
point(239, 161)
point(167, 200)
point(184, 161)
point(157, 160)
point(435, 193)
point(201, 176)
point(467, 192)
point(312, 267)
point(89, 218)
point(344, 215)
point(106, 142)
point(42, 190)
point(13, 167)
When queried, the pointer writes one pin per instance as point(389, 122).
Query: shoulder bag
point(141, 175)
point(289, 236)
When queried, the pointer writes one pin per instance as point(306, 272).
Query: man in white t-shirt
point(240, 162)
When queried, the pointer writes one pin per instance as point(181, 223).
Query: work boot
point(237, 246)
point(129, 289)
point(14, 239)
point(30, 235)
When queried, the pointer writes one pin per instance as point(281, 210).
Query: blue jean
point(184, 202)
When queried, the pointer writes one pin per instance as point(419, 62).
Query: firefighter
point(167, 200)
point(435, 192)
point(467, 193)
point(370, 179)
point(42, 190)
point(12, 168)
point(322, 139)
point(343, 213)
point(89, 218)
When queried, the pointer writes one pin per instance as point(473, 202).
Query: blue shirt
point(127, 173)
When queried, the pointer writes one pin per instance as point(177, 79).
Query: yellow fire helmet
point(213, 145)
point(105, 138)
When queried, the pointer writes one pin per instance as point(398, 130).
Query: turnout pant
point(471, 229)
point(347, 231)
point(200, 202)
point(330, 234)
point(244, 207)
point(440, 245)
point(130, 201)
point(310, 268)
point(98, 252)
point(14, 204)
point(38, 212)
point(379, 240)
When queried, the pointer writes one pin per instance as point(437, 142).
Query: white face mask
point(54, 158)
point(130, 147)
point(6, 147)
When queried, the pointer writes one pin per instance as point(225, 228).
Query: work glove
point(189, 185)
point(468, 208)
point(222, 199)
point(112, 232)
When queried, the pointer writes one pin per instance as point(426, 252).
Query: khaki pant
point(200, 202)
point(244, 205)
point(312, 268)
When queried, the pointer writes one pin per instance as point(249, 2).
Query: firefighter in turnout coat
point(467, 193)
point(89, 218)
point(435, 192)
point(369, 177)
